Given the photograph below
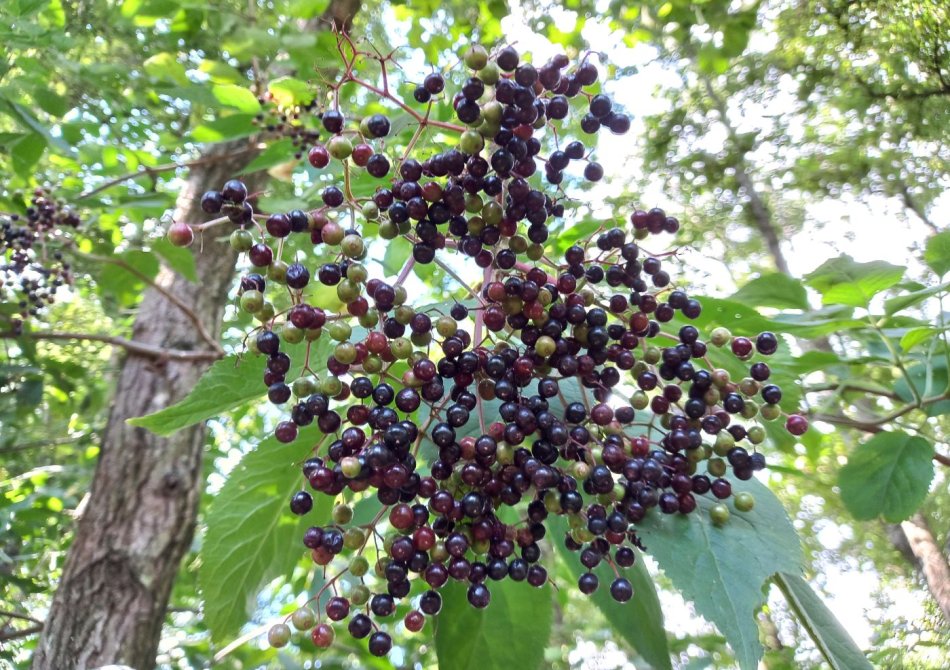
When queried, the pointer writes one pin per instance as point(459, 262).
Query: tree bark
point(141, 512)
point(930, 559)
point(142, 509)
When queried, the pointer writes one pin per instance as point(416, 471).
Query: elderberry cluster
point(32, 265)
point(572, 387)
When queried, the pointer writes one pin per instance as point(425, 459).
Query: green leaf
point(29, 121)
point(510, 633)
point(843, 281)
point(252, 536)
point(887, 475)
point(165, 67)
point(928, 380)
point(839, 650)
point(225, 128)
point(288, 91)
point(179, 259)
point(277, 153)
point(915, 336)
point(125, 285)
point(937, 252)
point(893, 305)
point(26, 153)
point(722, 569)
point(773, 290)
point(639, 621)
point(307, 9)
point(238, 97)
point(227, 384)
point(50, 102)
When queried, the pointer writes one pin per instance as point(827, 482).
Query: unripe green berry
point(359, 566)
point(489, 74)
point(749, 386)
point(744, 501)
point(370, 210)
point(401, 347)
point(473, 203)
point(266, 312)
point(756, 434)
point(342, 514)
point(339, 330)
point(388, 230)
point(471, 142)
point(639, 400)
point(279, 635)
point(252, 301)
point(331, 386)
point(354, 538)
point(770, 412)
point(446, 326)
point(352, 246)
point(241, 241)
point(372, 364)
point(492, 213)
point(345, 353)
point(359, 595)
point(401, 295)
point(750, 409)
point(304, 386)
point(303, 619)
point(724, 442)
point(476, 57)
point(370, 319)
point(720, 336)
point(350, 466)
point(716, 467)
point(719, 514)
point(277, 271)
point(356, 272)
point(340, 147)
point(291, 333)
point(403, 314)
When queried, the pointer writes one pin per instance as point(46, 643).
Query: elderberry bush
point(32, 265)
point(574, 386)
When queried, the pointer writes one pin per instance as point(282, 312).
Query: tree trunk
point(141, 512)
point(930, 559)
point(142, 509)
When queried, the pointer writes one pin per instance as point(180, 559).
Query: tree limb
point(151, 171)
point(133, 347)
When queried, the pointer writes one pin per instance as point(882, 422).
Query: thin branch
point(133, 347)
point(151, 171)
point(24, 617)
point(852, 386)
point(40, 444)
point(449, 271)
point(171, 297)
point(16, 634)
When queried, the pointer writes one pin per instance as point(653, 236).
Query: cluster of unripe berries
point(32, 266)
point(574, 387)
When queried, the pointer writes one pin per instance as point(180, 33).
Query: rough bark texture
point(930, 559)
point(140, 515)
